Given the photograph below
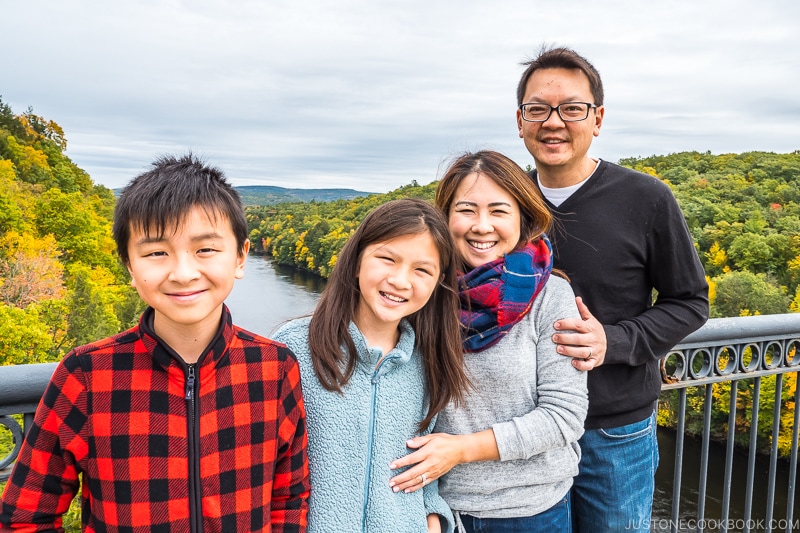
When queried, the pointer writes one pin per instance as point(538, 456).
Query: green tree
point(745, 293)
point(23, 337)
point(93, 301)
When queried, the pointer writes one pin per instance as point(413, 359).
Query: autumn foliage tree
point(60, 281)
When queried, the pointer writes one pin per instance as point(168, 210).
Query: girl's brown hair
point(535, 218)
point(436, 325)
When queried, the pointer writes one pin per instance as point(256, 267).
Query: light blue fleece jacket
point(352, 438)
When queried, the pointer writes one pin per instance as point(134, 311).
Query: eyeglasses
point(568, 111)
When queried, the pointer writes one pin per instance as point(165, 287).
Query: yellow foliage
point(794, 264)
point(712, 290)
point(649, 170)
point(7, 173)
point(29, 161)
point(30, 269)
point(794, 306)
point(716, 256)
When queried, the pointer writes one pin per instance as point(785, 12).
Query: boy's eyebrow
point(195, 238)
point(206, 236)
point(150, 240)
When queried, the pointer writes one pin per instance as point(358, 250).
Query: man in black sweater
point(621, 238)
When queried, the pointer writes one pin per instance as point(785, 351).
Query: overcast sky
point(371, 95)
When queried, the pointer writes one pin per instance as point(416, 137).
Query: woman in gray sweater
point(507, 454)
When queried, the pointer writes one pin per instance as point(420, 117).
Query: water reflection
point(269, 295)
point(692, 452)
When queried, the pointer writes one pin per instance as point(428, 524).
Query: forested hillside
point(61, 284)
point(267, 194)
point(743, 211)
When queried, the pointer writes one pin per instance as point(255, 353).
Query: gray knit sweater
point(536, 402)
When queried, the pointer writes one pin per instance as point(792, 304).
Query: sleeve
point(44, 479)
point(290, 488)
point(681, 305)
point(561, 396)
point(435, 504)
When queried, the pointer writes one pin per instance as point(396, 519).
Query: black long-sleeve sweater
point(623, 241)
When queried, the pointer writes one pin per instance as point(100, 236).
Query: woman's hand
point(437, 454)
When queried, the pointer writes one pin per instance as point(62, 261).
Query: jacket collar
point(400, 354)
point(165, 356)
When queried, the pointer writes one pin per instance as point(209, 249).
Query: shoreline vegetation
point(61, 284)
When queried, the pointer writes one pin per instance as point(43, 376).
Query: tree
point(29, 270)
point(93, 300)
point(82, 235)
point(23, 337)
point(745, 293)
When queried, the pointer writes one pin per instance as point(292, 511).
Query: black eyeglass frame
point(558, 110)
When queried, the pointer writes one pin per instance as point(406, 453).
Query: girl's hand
point(434, 525)
point(437, 454)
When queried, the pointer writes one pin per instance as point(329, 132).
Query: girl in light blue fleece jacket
point(379, 358)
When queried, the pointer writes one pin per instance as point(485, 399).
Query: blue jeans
point(557, 519)
point(613, 492)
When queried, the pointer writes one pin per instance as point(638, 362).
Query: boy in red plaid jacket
point(184, 423)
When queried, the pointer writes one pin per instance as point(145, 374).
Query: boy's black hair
point(161, 198)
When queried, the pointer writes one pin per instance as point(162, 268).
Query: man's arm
point(45, 477)
point(681, 305)
point(290, 487)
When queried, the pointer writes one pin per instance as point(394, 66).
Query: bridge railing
point(742, 350)
point(723, 350)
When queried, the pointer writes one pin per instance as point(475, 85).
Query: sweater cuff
point(435, 504)
point(618, 345)
point(505, 435)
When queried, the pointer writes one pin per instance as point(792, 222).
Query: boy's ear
point(242, 259)
point(133, 279)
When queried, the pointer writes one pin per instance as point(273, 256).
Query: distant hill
point(267, 194)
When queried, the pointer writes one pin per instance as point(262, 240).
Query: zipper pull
point(190, 383)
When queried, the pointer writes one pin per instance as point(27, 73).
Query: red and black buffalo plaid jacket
point(162, 446)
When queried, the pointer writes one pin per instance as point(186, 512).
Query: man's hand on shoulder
point(586, 340)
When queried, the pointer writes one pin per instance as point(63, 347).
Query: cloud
point(371, 95)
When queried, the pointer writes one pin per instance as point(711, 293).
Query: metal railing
point(736, 351)
point(21, 388)
point(725, 350)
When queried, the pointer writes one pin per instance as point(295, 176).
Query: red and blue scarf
point(497, 295)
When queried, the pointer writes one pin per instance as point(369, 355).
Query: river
point(269, 294)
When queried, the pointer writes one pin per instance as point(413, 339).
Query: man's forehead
point(553, 78)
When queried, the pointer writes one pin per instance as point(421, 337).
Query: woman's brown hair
point(436, 326)
point(535, 218)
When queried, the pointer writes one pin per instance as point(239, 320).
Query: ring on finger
point(424, 479)
point(590, 354)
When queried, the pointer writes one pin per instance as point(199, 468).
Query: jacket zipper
point(371, 439)
point(195, 503)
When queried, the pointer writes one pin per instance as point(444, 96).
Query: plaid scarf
point(497, 295)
